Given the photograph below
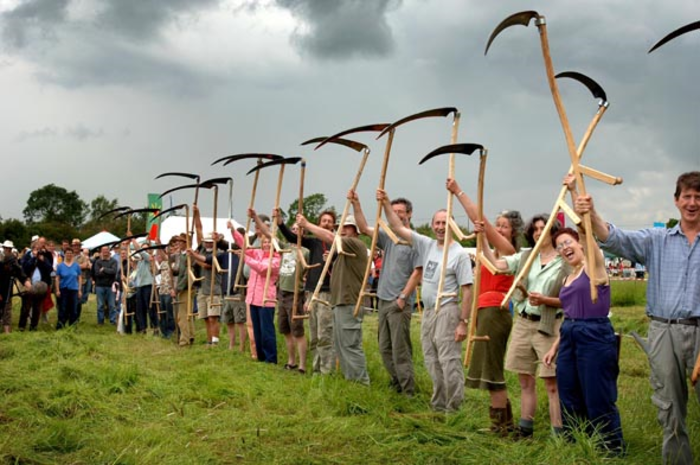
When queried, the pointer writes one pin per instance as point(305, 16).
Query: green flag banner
point(154, 201)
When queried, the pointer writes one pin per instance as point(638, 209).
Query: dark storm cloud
point(32, 18)
point(104, 49)
point(139, 19)
point(115, 63)
point(343, 28)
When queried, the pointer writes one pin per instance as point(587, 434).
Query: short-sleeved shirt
point(207, 274)
point(458, 273)
point(349, 272)
point(538, 279)
point(399, 262)
point(69, 275)
point(288, 266)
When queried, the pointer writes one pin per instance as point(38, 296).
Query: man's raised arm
point(323, 234)
point(396, 225)
point(359, 214)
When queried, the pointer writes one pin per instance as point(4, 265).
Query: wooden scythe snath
point(129, 213)
point(560, 202)
point(154, 298)
point(468, 149)
point(246, 243)
point(379, 221)
point(474, 315)
point(336, 245)
point(125, 277)
point(229, 268)
point(195, 186)
point(523, 18)
point(191, 278)
point(300, 264)
point(274, 243)
point(215, 266)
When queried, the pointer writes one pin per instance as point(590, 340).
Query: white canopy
point(173, 225)
point(99, 239)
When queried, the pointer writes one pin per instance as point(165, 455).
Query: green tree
point(99, 206)
point(54, 204)
point(97, 222)
point(314, 205)
point(15, 231)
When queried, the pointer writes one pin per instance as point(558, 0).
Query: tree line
point(57, 213)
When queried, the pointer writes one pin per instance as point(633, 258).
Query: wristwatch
point(464, 320)
point(401, 296)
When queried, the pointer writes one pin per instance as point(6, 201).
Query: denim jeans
point(68, 309)
point(106, 304)
point(264, 329)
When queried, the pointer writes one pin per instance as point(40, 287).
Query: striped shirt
point(673, 289)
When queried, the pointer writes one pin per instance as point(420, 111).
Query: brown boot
point(508, 424)
point(498, 422)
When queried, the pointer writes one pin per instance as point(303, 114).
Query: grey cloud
point(139, 19)
point(33, 17)
point(115, 63)
point(43, 133)
point(82, 132)
point(79, 131)
point(343, 28)
point(102, 51)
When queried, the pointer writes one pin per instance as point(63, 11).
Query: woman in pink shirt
point(262, 307)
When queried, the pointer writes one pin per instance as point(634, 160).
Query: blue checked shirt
point(673, 290)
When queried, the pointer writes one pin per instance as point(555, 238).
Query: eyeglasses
point(563, 244)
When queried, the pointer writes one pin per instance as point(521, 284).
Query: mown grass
point(628, 293)
point(90, 396)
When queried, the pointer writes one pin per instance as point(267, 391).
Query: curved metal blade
point(114, 210)
point(127, 238)
point(445, 111)
point(593, 86)
point(244, 156)
point(284, 161)
point(209, 183)
point(678, 32)
point(465, 149)
point(357, 146)
point(186, 186)
point(168, 210)
point(137, 210)
point(369, 128)
point(150, 247)
point(177, 173)
point(523, 18)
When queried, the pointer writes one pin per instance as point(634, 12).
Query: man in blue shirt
point(672, 259)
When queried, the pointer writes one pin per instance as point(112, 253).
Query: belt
point(531, 317)
point(677, 321)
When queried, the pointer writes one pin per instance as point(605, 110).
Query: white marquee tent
point(176, 224)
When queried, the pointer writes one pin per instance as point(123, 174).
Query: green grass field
point(90, 396)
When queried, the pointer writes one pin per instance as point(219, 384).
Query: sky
point(101, 96)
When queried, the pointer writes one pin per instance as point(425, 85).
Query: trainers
point(521, 433)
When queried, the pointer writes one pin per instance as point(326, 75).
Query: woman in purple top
point(586, 350)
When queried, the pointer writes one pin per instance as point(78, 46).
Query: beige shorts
point(528, 346)
point(206, 306)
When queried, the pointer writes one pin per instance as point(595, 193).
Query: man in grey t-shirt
point(443, 329)
point(401, 272)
